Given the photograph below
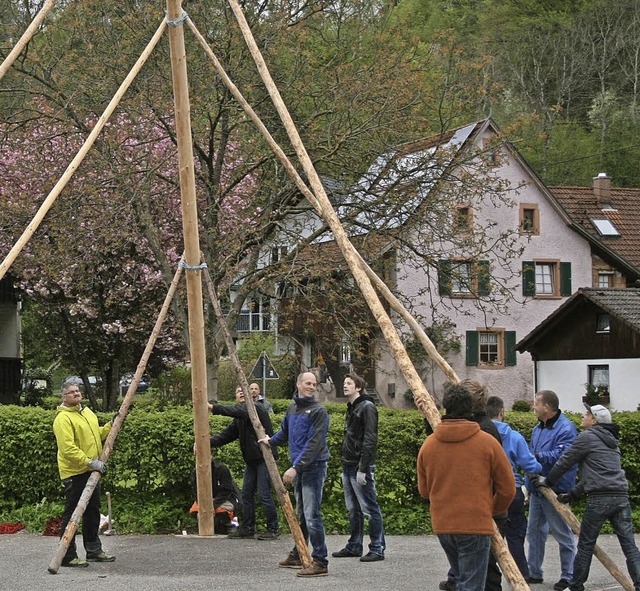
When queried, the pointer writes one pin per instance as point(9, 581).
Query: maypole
point(175, 19)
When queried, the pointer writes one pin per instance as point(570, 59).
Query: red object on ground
point(52, 527)
point(10, 528)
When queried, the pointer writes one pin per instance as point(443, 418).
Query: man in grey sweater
point(604, 482)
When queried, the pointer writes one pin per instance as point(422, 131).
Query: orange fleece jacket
point(466, 476)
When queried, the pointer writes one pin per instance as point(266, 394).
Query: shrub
point(150, 469)
point(521, 406)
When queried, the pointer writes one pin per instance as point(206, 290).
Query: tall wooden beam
point(175, 19)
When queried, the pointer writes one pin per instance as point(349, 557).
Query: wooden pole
point(26, 37)
point(276, 480)
point(175, 19)
point(75, 163)
point(420, 393)
point(72, 526)
point(598, 552)
point(302, 187)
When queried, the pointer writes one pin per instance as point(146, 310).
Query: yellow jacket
point(79, 438)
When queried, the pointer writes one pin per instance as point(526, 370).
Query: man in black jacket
point(359, 448)
point(256, 476)
point(603, 480)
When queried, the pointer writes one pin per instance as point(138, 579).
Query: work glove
point(537, 481)
point(97, 466)
point(568, 498)
point(115, 416)
point(361, 478)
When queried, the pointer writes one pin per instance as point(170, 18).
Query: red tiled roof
point(581, 206)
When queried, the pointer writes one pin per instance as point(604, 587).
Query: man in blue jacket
point(604, 482)
point(550, 438)
point(304, 428)
point(521, 458)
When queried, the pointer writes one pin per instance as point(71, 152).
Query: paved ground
point(175, 563)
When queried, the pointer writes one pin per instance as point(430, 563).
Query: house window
point(462, 219)
point(599, 378)
point(603, 323)
point(464, 278)
point(605, 280)
point(546, 279)
point(529, 219)
point(491, 348)
point(255, 316)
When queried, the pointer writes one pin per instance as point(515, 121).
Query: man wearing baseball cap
point(604, 482)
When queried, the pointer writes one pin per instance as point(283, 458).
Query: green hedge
point(150, 471)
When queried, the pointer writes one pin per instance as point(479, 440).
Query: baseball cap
point(599, 412)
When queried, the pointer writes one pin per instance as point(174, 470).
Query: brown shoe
point(290, 562)
point(317, 569)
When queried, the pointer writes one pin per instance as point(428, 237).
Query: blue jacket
point(549, 440)
point(518, 452)
point(304, 428)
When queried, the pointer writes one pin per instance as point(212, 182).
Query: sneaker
point(315, 569)
point(75, 562)
point(344, 553)
point(534, 581)
point(268, 535)
point(447, 585)
point(102, 557)
point(561, 585)
point(241, 534)
point(290, 562)
point(372, 557)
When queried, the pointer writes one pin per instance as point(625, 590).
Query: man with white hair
point(604, 482)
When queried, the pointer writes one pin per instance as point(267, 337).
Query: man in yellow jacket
point(79, 437)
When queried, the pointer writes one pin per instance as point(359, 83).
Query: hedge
point(150, 471)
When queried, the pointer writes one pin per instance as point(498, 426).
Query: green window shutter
point(510, 353)
point(528, 278)
point(472, 347)
point(565, 279)
point(484, 278)
point(444, 278)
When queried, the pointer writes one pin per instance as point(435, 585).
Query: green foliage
point(150, 473)
point(172, 387)
point(521, 406)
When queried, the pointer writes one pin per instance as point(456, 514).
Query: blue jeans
point(543, 518)
point(256, 479)
point(468, 556)
point(598, 510)
point(362, 501)
point(308, 491)
point(515, 532)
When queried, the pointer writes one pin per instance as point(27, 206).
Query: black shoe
point(371, 557)
point(268, 535)
point(344, 553)
point(533, 581)
point(447, 586)
point(240, 533)
point(561, 585)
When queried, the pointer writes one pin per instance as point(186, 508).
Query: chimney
point(602, 189)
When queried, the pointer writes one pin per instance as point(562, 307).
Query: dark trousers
point(515, 532)
point(73, 487)
point(256, 479)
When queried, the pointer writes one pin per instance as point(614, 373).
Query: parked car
point(94, 381)
point(125, 382)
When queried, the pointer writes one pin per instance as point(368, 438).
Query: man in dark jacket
point(359, 448)
point(605, 484)
point(256, 476)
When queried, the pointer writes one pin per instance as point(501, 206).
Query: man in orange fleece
point(467, 478)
